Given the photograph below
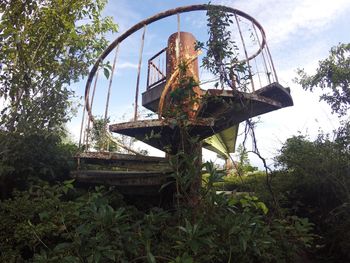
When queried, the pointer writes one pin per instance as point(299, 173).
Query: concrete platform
point(218, 111)
point(127, 182)
point(161, 134)
point(125, 161)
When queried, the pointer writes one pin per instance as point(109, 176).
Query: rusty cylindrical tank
point(181, 49)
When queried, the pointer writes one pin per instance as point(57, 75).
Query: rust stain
point(181, 49)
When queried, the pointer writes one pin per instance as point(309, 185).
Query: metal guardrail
point(156, 69)
point(255, 50)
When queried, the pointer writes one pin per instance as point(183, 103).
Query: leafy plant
point(41, 155)
point(321, 183)
point(46, 46)
point(333, 77)
point(221, 58)
point(99, 137)
point(51, 223)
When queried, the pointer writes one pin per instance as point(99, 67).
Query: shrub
point(41, 155)
point(57, 224)
point(316, 182)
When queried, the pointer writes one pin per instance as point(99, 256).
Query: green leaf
point(97, 256)
point(51, 51)
point(150, 258)
point(263, 207)
point(68, 182)
point(106, 72)
point(62, 246)
point(186, 258)
point(243, 243)
point(109, 254)
point(194, 246)
point(43, 215)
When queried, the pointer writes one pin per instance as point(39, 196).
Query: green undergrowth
point(41, 155)
point(256, 183)
point(312, 182)
point(60, 223)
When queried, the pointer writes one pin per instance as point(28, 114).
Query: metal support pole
point(110, 83)
point(257, 72)
point(81, 127)
point(148, 72)
point(245, 51)
point(85, 133)
point(92, 102)
point(270, 66)
point(273, 66)
point(82, 123)
point(262, 53)
point(138, 73)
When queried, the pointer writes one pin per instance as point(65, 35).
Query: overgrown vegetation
point(221, 57)
point(49, 219)
point(62, 224)
point(312, 182)
point(325, 169)
point(45, 47)
point(333, 78)
point(41, 155)
point(312, 179)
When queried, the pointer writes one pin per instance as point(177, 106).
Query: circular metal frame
point(155, 18)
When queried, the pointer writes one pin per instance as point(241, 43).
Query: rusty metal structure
point(214, 118)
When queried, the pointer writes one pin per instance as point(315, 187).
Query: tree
point(316, 185)
point(243, 166)
point(46, 46)
point(321, 189)
point(333, 77)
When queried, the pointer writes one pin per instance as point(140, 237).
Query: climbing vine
point(221, 57)
point(221, 60)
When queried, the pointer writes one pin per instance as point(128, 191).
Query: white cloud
point(126, 65)
point(123, 14)
point(281, 19)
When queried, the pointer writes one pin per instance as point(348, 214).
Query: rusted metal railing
point(255, 54)
point(156, 69)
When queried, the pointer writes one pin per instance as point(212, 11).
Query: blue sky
point(299, 34)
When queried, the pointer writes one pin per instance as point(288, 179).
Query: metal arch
point(183, 9)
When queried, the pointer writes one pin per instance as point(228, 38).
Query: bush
point(40, 155)
point(312, 182)
point(320, 189)
point(57, 224)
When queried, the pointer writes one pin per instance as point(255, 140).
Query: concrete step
point(125, 161)
point(127, 182)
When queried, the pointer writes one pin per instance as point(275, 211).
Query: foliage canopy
point(333, 77)
point(46, 46)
